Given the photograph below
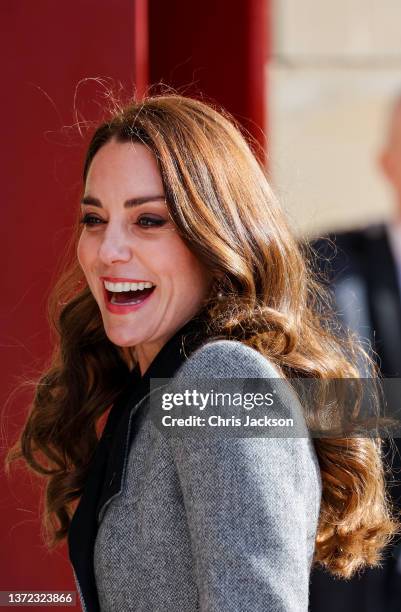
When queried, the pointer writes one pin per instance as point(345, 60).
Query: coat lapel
point(82, 532)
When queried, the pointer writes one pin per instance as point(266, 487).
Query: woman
point(185, 267)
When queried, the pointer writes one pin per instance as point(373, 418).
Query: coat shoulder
point(246, 371)
point(228, 359)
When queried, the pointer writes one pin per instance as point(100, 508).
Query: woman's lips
point(124, 308)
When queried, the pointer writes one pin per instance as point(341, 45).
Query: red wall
point(217, 48)
point(48, 49)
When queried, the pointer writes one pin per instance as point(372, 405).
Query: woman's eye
point(91, 220)
point(144, 222)
point(150, 222)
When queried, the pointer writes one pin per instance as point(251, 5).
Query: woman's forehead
point(124, 167)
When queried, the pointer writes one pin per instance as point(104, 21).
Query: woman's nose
point(114, 247)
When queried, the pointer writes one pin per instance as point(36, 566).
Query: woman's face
point(128, 237)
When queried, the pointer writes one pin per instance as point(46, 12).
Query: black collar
point(105, 475)
point(120, 435)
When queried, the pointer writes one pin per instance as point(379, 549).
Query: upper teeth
point(118, 287)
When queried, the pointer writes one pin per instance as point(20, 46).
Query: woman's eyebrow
point(90, 200)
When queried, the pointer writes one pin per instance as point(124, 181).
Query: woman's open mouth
point(125, 297)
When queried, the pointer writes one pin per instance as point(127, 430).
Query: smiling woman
point(186, 268)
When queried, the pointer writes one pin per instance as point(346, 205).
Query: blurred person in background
point(363, 269)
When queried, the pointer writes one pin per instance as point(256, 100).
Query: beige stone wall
point(336, 67)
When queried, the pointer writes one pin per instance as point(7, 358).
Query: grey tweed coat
point(216, 525)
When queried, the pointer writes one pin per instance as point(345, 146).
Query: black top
point(106, 469)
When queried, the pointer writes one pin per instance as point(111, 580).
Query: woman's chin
point(121, 339)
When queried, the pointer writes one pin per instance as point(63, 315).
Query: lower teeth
point(129, 298)
point(113, 301)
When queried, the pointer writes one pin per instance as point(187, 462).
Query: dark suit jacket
point(361, 271)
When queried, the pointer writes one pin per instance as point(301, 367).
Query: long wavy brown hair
point(224, 210)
